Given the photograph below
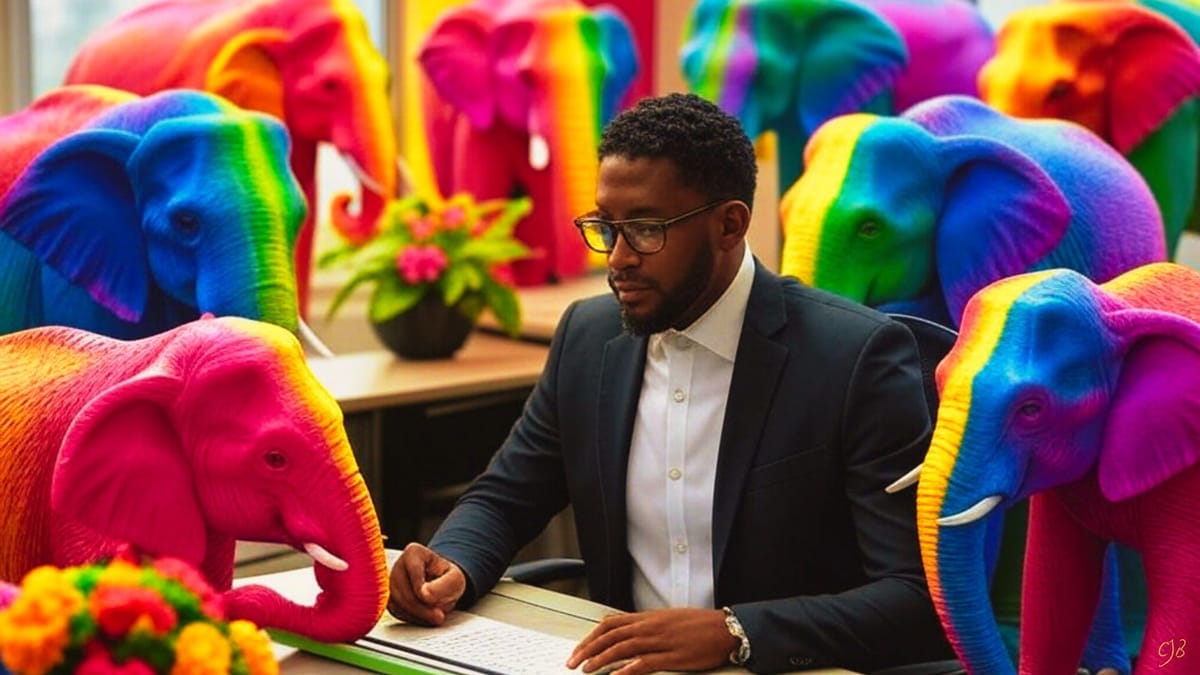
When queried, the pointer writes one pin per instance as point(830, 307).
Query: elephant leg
point(1063, 565)
point(1106, 643)
point(1171, 643)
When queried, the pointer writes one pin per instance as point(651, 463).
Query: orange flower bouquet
point(120, 617)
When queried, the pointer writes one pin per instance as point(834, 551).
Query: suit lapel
point(620, 387)
point(756, 373)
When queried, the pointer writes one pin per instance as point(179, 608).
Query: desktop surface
point(551, 621)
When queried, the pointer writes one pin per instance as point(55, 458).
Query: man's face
point(671, 288)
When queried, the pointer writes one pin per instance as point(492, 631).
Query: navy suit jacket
point(825, 409)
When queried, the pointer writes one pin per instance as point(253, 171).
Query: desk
point(517, 604)
point(418, 424)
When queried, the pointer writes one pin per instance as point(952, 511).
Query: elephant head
point(225, 435)
point(519, 92)
point(917, 239)
point(309, 63)
point(1129, 74)
point(790, 65)
point(1054, 381)
point(161, 209)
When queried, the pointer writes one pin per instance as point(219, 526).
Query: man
point(724, 435)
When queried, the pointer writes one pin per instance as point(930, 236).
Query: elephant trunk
point(954, 556)
point(368, 145)
point(351, 599)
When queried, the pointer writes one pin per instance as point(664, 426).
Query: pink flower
point(423, 227)
point(454, 216)
point(418, 264)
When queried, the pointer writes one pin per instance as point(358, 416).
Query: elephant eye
point(868, 230)
point(1060, 90)
point(186, 224)
point(275, 458)
point(1030, 411)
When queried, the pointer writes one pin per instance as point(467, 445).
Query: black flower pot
point(428, 330)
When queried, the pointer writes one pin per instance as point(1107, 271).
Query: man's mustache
point(614, 279)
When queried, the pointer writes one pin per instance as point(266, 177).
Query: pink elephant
point(178, 445)
point(1084, 396)
point(519, 93)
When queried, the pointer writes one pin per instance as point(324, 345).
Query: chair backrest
point(933, 343)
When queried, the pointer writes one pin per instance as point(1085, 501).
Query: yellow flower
point(34, 630)
point(201, 650)
point(255, 647)
point(121, 573)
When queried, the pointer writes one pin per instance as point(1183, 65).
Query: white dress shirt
point(673, 453)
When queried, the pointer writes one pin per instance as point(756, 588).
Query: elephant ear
point(75, 208)
point(456, 59)
point(1156, 68)
point(619, 53)
point(1153, 427)
point(1002, 214)
point(245, 73)
point(122, 471)
point(851, 55)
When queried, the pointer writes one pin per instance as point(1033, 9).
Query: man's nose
point(623, 255)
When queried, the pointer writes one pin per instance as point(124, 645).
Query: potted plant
point(436, 266)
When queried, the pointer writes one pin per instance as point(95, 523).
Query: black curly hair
point(708, 146)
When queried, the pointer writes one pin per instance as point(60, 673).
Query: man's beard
point(675, 304)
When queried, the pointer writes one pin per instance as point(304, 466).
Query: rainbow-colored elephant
point(518, 93)
point(309, 63)
point(1083, 396)
point(1129, 74)
point(790, 65)
point(916, 213)
point(128, 216)
point(179, 445)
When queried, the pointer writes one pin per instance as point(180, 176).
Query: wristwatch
point(741, 654)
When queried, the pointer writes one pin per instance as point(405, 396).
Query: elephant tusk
point(310, 339)
point(539, 152)
point(974, 513)
point(904, 481)
point(407, 184)
point(366, 181)
point(325, 558)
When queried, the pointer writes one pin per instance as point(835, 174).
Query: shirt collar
point(720, 327)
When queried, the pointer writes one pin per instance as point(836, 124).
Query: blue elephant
point(790, 65)
point(127, 216)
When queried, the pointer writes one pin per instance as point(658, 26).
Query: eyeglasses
point(644, 235)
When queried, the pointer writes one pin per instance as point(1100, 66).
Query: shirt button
point(679, 396)
point(674, 474)
point(681, 548)
point(683, 343)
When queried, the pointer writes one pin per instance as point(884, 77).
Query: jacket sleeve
point(889, 619)
point(522, 488)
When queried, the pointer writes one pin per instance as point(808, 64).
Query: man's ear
point(735, 222)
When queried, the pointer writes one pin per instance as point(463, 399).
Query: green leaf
point(504, 224)
point(393, 296)
point(504, 304)
point(493, 251)
point(336, 257)
point(345, 291)
point(453, 283)
point(475, 273)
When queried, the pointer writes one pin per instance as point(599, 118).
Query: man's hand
point(424, 586)
point(661, 639)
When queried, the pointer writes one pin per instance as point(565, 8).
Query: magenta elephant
point(1083, 396)
point(519, 93)
point(180, 444)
